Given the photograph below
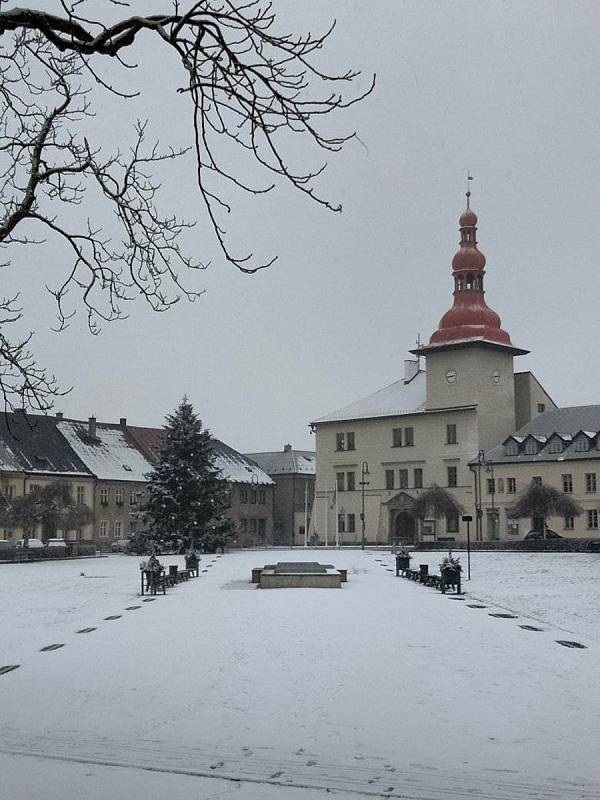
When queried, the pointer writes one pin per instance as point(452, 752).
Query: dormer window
point(556, 446)
point(531, 447)
point(512, 449)
point(582, 444)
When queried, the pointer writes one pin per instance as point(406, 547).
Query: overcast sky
point(510, 91)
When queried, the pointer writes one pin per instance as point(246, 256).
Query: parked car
point(33, 544)
point(57, 547)
point(593, 546)
point(539, 535)
point(120, 545)
point(7, 549)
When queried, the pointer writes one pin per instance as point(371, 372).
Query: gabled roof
point(286, 462)
point(395, 400)
point(33, 444)
point(234, 467)
point(111, 455)
point(566, 423)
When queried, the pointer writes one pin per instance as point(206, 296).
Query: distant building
point(466, 422)
point(34, 453)
point(250, 488)
point(120, 469)
point(106, 467)
point(294, 474)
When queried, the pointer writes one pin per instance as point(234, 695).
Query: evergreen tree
point(186, 496)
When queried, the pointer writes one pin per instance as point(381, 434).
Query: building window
point(451, 434)
point(262, 528)
point(569, 523)
point(418, 476)
point(341, 523)
point(80, 495)
point(409, 437)
point(491, 485)
point(537, 480)
point(592, 518)
point(104, 497)
point(35, 487)
point(133, 498)
point(119, 497)
point(590, 482)
point(531, 447)
point(243, 525)
point(512, 449)
point(103, 529)
point(340, 481)
point(253, 496)
point(350, 482)
point(541, 407)
point(243, 496)
point(452, 523)
point(397, 437)
point(512, 527)
point(452, 476)
point(262, 497)
point(118, 529)
point(556, 446)
point(511, 485)
point(567, 483)
point(582, 444)
point(403, 479)
point(252, 526)
point(344, 441)
point(389, 479)
point(351, 523)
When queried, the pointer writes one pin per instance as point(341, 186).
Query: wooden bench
point(152, 582)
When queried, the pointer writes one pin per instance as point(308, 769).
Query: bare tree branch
point(248, 85)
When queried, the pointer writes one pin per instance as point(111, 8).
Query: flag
point(333, 497)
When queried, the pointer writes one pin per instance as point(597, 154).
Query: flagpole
point(305, 512)
point(327, 501)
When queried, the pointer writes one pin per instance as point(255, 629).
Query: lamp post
point(478, 495)
point(364, 470)
point(468, 519)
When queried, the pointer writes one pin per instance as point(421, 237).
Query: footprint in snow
point(277, 774)
point(311, 763)
point(389, 768)
point(299, 752)
point(217, 765)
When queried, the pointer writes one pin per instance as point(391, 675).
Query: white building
point(427, 428)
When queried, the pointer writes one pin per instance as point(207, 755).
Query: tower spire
point(470, 319)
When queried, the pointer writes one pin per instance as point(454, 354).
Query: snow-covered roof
point(393, 401)
point(31, 443)
point(286, 461)
point(234, 467)
point(110, 456)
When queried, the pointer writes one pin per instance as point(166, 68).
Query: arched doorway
point(405, 528)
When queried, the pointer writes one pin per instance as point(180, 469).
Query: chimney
point(123, 422)
point(411, 368)
point(92, 427)
point(287, 448)
point(59, 415)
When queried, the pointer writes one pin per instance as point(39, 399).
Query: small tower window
point(470, 281)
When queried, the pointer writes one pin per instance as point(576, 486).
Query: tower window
point(470, 281)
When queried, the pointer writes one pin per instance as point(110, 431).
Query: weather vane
point(469, 179)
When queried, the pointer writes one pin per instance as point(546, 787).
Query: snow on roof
point(395, 400)
point(32, 443)
point(236, 468)
point(110, 456)
point(286, 462)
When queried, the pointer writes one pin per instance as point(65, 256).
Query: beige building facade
point(460, 397)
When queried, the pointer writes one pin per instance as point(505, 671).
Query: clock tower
point(470, 357)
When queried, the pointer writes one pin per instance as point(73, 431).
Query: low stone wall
point(523, 545)
point(326, 580)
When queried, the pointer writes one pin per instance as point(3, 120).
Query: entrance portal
point(405, 528)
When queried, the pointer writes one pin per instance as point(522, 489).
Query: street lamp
point(479, 497)
point(468, 519)
point(363, 471)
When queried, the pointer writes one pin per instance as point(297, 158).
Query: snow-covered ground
point(385, 688)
